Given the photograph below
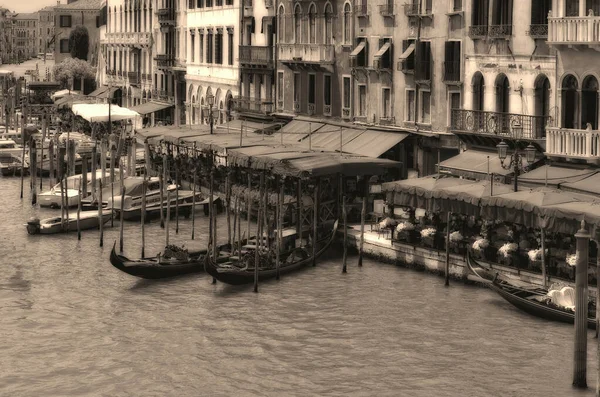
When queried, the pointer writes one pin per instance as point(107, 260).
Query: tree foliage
point(79, 42)
point(73, 68)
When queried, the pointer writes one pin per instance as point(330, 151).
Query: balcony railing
point(539, 31)
point(253, 105)
point(165, 60)
point(134, 78)
point(452, 71)
point(166, 15)
point(257, 55)
point(387, 10)
point(502, 125)
point(128, 38)
point(164, 96)
point(361, 10)
point(574, 30)
point(312, 53)
point(572, 143)
point(478, 31)
point(411, 9)
point(500, 31)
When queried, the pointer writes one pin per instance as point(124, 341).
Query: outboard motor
point(33, 226)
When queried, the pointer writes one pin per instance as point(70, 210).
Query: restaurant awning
point(407, 52)
point(108, 93)
point(98, 91)
point(151, 107)
point(358, 49)
point(60, 94)
point(474, 164)
point(328, 137)
point(589, 185)
point(382, 50)
point(99, 112)
point(554, 176)
point(296, 130)
point(373, 143)
point(235, 126)
point(417, 192)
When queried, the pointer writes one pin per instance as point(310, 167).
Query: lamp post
point(210, 100)
point(516, 158)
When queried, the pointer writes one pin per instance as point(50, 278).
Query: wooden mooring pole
point(363, 214)
point(447, 264)
point(168, 217)
point(228, 206)
point(212, 216)
point(161, 183)
point(52, 177)
point(315, 221)
point(121, 223)
point(42, 152)
point(143, 215)
point(258, 231)
point(279, 225)
point(100, 217)
point(194, 204)
point(248, 205)
point(581, 308)
point(79, 215)
point(33, 173)
point(345, 256)
point(176, 199)
point(23, 155)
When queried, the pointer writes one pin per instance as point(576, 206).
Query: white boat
point(10, 164)
point(52, 198)
point(87, 220)
point(11, 147)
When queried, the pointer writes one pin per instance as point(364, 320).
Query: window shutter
point(252, 25)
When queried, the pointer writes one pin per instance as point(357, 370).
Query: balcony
point(387, 10)
point(574, 30)
point(306, 53)
point(573, 144)
point(134, 78)
point(256, 56)
point(539, 31)
point(165, 60)
point(452, 72)
point(166, 16)
point(253, 105)
point(361, 10)
point(413, 10)
point(478, 31)
point(147, 77)
point(500, 31)
point(498, 125)
point(129, 38)
point(163, 96)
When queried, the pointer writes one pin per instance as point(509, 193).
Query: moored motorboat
point(52, 198)
point(240, 270)
point(87, 220)
point(10, 164)
point(554, 304)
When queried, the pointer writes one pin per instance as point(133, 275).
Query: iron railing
point(478, 31)
point(503, 125)
point(538, 31)
point(387, 10)
point(499, 31)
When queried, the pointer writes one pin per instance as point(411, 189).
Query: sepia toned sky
point(28, 5)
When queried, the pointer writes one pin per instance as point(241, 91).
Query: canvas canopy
point(99, 112)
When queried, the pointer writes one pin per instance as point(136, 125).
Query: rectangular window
point(191, 4)
point(209, 48)
point(453, 103)
point(230, 47)
point(228, 2)
point(452, 61)
point(64, 46)
point(347, 96)
point(200, 4)
point(297, 87)
point(480, 13)
point(386, 95)
point(327, 90)
point(457, 5)
point(65, 21)
point(280, 86)
point(425, 114)
point(312, 88)
point(423, 66)
point(410, 105)
point(193, 47)
point(362, 100)
point(219, 48)
point(201, 44)
point(540, 9)
point(219, 3)
point(209, 3)
point(408, 56)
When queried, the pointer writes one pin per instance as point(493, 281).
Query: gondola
point(156, 268)
point(529, 298)
point(238, 273)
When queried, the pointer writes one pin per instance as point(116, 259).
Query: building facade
point(6, 36)
point(87, 13)
point(25, 33)
point(46, 39)
point(212, 39)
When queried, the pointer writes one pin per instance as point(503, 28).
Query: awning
point(554, 176)
point(296, 130)
point(108, 93)
point(589, 185)
point(60, 94)
point(150, 107)
point(373, 143)
point(358, 49)
point(328, 137)
point(407, 52)
point(475, 164)
point(98, 112)
point(382, 50)
point(98, 91)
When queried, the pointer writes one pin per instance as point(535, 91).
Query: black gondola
point(235, 273)
point(529, 298)
point(155, 268)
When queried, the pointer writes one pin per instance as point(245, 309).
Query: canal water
point(72, 325)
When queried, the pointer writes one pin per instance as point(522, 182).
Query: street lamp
point(210, 100)
point(516, 158)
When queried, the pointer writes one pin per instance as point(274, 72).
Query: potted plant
point(480, 247)
point(456, 239)
point(535, 258)
point(405, 231)
point(508, 254)
point(388, 223)
point(428, 237)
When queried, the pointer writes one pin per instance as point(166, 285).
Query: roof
point(27, 15)
point(47, 8)
point(150, 107)
point(554, 176)
point(475, 164)
point(81, 5)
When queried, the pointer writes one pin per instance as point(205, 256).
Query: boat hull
point(53, 225)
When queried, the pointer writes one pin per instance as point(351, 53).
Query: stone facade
point(86, 13)
point(25, 35)
point(46, 39)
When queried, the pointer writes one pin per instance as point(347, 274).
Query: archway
point(542, 104)
point(589, 102)
point(193, 104)
point(569, 103)
point(478, 91)
point(502, 94)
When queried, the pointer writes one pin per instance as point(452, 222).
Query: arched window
point(478, 91)
point(589, 102)
point(502, 94)
point(297, 24)
point(328, 24)
point(542, 104)
point(312, 24)
point(570, 103)
point(347, 23)
point(280, 25)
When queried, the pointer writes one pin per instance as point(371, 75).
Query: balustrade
point(503, 125)
point(572, 143)
point(574, 30)
point(316, 53)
